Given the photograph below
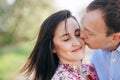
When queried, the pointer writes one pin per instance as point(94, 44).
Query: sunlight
point(73, 5)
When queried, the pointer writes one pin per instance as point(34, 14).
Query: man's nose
point(83, 34)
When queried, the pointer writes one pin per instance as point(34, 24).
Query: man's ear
point(116, 37)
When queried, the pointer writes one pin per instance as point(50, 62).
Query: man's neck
point(113, 47)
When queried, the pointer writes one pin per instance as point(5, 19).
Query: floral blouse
point(69, 72)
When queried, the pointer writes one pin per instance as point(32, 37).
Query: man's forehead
point(93, 13)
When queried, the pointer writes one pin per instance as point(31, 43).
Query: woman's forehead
point(67, 26)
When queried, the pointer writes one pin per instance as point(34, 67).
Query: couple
point(59, 49)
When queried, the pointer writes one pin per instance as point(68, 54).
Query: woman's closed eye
point(65, 38)
point(77, 33)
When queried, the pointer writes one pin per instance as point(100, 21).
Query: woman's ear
point(53, 50)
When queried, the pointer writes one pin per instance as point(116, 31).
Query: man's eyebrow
point(83, 26)
point(88, 30)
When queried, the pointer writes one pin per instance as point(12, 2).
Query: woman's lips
point(77, 49)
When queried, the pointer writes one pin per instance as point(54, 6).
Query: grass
point(12, 59)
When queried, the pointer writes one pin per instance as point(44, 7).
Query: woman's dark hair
point(42, 61)
point(111, 13)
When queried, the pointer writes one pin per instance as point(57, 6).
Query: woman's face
point(67, 43)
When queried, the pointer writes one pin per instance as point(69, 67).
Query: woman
point(59, 50)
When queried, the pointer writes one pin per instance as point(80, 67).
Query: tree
point(21, 20)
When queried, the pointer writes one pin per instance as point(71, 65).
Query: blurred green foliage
point(21, 20)
point(12, 59)
point(19, 25)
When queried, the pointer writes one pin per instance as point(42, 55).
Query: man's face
point(94, 30)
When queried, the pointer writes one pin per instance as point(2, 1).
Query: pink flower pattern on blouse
point(69, 72)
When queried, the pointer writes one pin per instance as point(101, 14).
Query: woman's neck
point(77, 63)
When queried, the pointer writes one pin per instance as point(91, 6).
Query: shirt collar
point(118, 48)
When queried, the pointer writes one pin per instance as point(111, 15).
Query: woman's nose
point(76, 42)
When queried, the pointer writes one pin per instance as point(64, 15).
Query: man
point(101, 31)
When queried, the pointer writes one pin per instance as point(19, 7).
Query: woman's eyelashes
point(65, 38)
point(77, 32)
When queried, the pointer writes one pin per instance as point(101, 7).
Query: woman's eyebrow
point(77, 30)
point(66, 34)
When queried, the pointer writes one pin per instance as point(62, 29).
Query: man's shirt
point(107, 64)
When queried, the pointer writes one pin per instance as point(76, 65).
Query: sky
point(75, 6)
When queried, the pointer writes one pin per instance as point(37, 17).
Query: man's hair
point(111, 13)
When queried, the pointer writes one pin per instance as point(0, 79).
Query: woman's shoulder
point(89, 70)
